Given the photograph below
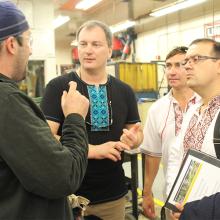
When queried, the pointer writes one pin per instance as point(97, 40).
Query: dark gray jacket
point(36, 171)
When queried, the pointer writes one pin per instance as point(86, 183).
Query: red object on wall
point(75, 55)
point(117, 44)
point(117, 47)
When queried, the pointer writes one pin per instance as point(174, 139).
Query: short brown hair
point(177, 50)
point(96, 23)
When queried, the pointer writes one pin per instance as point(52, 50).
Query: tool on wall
point(122, 44)
point(129, 38)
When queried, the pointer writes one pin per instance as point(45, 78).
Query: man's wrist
point(92, 152)
point(147, 193)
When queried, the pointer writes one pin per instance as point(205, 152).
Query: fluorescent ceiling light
point(86, 4)
point(122, 26)
point(176, 6)
point(60, 20)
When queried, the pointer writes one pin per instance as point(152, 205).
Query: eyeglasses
point(19, 40)
point(29, 38)
point(195, 59)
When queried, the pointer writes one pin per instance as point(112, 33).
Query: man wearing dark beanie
point(12, 21)
point(37, 172)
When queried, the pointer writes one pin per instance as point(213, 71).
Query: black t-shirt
point(104, 179)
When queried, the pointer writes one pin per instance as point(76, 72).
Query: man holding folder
point(202, 63)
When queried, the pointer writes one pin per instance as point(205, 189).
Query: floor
point(157, 190)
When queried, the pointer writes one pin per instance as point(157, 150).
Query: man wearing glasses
point(202, 64)
point(112, 122)
point(37, 172)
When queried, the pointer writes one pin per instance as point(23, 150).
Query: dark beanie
point(12, 20)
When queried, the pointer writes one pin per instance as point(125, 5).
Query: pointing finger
point(136, 127)
point(72, 86)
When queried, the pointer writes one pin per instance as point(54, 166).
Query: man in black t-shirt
point(113, 123)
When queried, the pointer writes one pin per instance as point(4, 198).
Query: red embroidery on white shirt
point(198, 126)
point(179, 114)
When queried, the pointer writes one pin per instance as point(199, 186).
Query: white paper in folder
point(198, 177)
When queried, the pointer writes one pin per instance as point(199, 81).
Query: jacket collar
point(4, 78)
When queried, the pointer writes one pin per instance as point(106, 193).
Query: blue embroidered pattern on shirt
point(99, 110)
